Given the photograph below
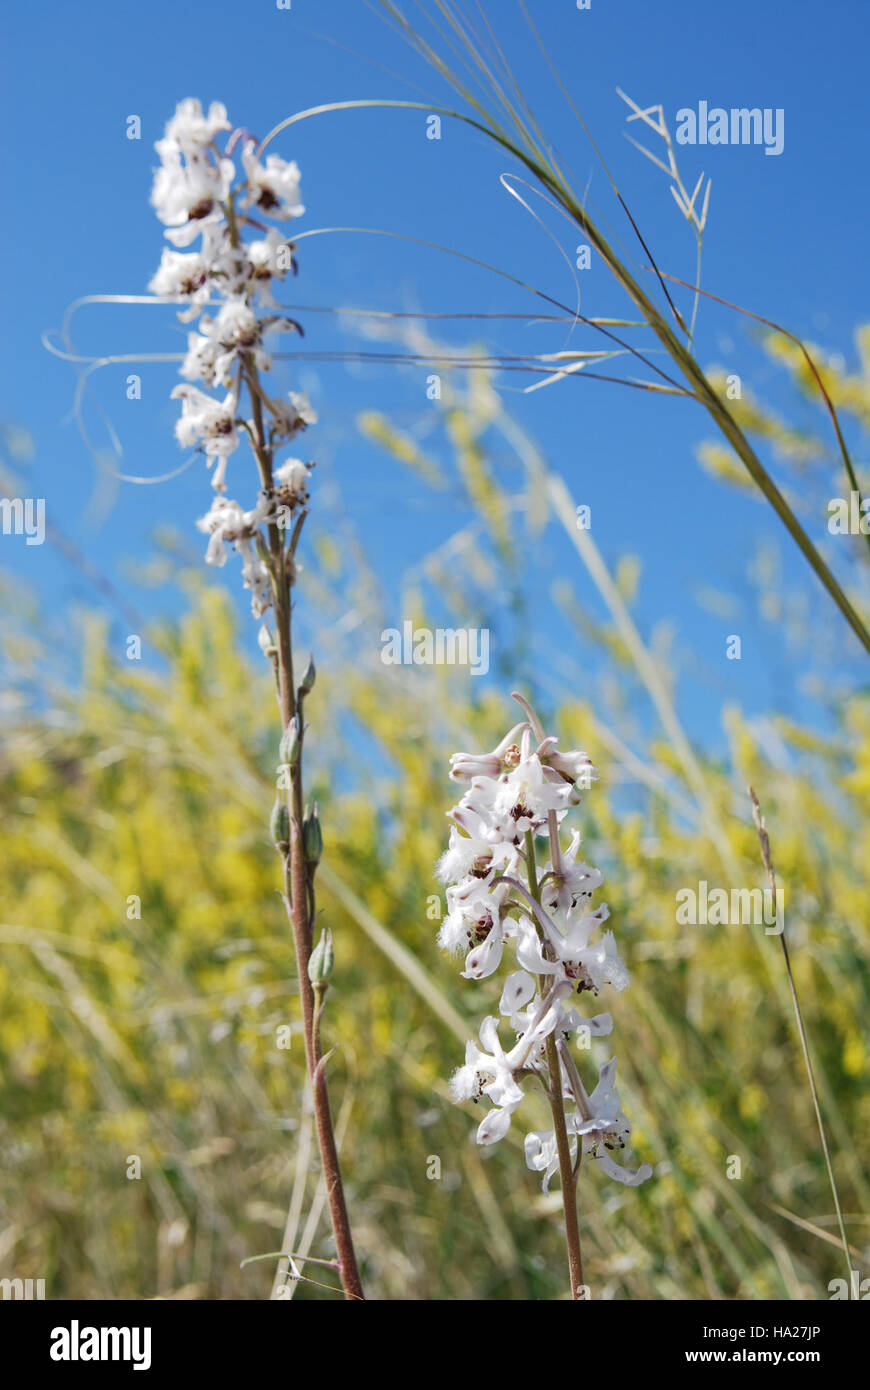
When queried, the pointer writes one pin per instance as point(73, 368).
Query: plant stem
point(296, 871)
point(566, 1171)
point(557, 1107)
point(296, 892)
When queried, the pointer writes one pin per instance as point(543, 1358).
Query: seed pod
point(312, 836)
point(279, 825)
point(322, 960)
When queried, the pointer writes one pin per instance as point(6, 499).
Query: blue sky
point(787, 236)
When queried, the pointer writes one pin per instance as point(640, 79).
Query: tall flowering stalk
point(501, 893)
point(226, 282)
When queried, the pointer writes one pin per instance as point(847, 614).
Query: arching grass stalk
point(767, 860)
point(518, 134)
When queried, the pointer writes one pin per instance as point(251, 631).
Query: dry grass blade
point(532, 154)
point(768, 864)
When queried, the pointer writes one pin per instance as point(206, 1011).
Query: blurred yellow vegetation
point(147, 970)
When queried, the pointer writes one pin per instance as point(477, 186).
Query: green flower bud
point(312, 835)
point(307, 683)
point(322, 960)
point(279, 824)
point(288, 749)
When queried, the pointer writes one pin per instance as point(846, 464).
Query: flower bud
point(288, 749)
point(279, 824)
point(307, 683)
point(322, 960)
point(312, 836)
point(266, 641)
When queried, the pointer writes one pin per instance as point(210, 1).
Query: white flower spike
point(232, 273)
point(522, 789)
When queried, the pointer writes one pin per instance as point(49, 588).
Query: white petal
point(489, 1036)
point(630, 1177)
point(504, 1090)
point(519, 988)
point(494, 1127)
point(485, 959)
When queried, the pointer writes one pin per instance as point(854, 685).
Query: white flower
point(519, 990)
point(236, 325)
point(474, 850)
point(606, 1129)
point(269, 258)
point(202, 417)
point(292, 479)
point(524, 796)
point(211, 422)
point(224, 521)
point(179, 276)
point(202, 356)
point(569, 955)
point(288, 419)
point(488, 1071)
point(464, 767)
point(190, 183)
point(492, 1072)
point(187, 196)
point(576, 766)
point(236, 329)
point(542, 1153)
point(275, 185)
point(189, 131)
point(474, 920)
point(227, 523)
point(485, 929)
point(604, 965)
point(574, 882)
